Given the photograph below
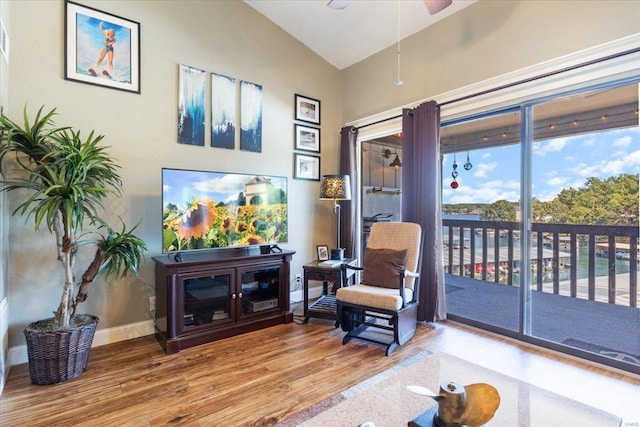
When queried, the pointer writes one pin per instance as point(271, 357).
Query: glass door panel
point(260, 290)
point(481, 220)
point(207, 299)
point(585, 164)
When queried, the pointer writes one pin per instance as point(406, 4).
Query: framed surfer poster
point(101, 49)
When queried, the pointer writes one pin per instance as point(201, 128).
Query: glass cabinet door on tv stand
point(206, 297)
point(260, 290)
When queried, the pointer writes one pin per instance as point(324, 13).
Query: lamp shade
point(396, 162)
point(335, 187)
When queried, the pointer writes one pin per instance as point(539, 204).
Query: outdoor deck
point(604, 329)
point(589, 313)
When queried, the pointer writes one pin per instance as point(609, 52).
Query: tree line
point(610, 201)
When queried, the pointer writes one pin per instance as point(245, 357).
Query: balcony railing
point(594, 262)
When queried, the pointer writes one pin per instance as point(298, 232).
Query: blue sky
point(182, 186)
point(557, 164)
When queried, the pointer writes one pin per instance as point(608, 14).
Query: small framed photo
point(323, 252)
point(101, 49)
point(307, 109)
point(307, 138)
point(306, 167)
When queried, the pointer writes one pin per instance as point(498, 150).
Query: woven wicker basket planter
point(57, 356)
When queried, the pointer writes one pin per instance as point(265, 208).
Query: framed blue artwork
point(250, 117)
point(191, 105)
point(223, 111)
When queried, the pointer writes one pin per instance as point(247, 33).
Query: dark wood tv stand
point(219, 294)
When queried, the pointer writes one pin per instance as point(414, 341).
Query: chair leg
point(392, 346)
point(354, 333)
point(354, 321)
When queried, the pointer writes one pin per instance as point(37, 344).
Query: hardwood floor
point(260, 378)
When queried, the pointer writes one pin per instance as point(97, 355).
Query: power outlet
point(298, 280)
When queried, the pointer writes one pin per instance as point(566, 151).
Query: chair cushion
point(383, 267)
point(373, 296)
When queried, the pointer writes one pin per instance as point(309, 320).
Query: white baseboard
point(18, 354)
point(298, 296)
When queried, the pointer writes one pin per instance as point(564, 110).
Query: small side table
point(325, 306)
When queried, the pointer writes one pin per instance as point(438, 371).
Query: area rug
point(385, 401)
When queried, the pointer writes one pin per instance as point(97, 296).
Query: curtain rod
point(523, 81)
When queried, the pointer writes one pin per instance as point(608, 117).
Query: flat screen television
point(207, 210)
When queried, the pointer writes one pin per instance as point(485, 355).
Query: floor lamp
point(336, 187)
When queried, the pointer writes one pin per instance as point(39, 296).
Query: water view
point(622, 265)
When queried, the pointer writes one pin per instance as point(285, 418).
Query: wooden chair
point(387, 296)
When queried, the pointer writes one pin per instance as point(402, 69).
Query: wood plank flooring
point(260, 378)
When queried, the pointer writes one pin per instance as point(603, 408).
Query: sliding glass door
point(481, 219)
point(585, 160)
point(540, 219)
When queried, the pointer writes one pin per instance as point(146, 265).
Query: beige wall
point(487, 39)
point(226, 37)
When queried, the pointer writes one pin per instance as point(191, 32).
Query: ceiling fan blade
point(435, 6)
point(338, 4)
point(482, 402)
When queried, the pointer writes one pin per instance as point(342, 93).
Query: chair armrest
point(351, 267)
point(402, 277)
point(411, 274)
point(344, 268)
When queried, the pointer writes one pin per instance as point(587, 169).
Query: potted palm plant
point(64, 181)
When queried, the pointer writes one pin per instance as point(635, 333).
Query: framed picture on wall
point(101, 49)
point(250, 117)
point(307, 138)
point(307, 109)
point(306, 167)
point(192, 84)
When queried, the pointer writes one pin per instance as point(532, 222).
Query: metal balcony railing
point(594, 262)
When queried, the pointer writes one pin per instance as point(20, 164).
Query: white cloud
point(623, 163)
point(547, 196)
point(614, 167)
point(554, 145)
point(488, 192)
point(633, 159)
point(624, 142)
point(483, 169)
point(556, 181)
point(627, 163)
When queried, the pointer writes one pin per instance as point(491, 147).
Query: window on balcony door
point(585, 157)
point(480, 196)
point(557, 210)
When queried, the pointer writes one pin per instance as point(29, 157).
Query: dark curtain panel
point(421, 200)
point(348, 138)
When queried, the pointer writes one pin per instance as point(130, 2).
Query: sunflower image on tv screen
point(205, 210)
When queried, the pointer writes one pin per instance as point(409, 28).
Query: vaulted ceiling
point(346, 36)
